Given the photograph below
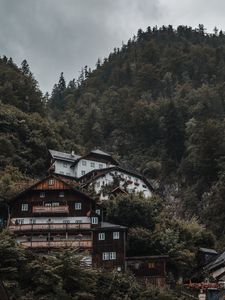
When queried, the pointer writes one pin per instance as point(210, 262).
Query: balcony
point(85, 244)
point(49, 226)
point(62, 209)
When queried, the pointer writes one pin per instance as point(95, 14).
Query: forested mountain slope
point(158, 103)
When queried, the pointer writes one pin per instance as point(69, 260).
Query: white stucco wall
point(88, 166)
point(84, 165)
point(131, 187)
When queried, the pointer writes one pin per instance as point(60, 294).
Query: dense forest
point(158, 105)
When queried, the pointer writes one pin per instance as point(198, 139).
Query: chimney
point(72, 153)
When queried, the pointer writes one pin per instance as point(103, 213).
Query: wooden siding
point(148, 269)
point(47, 227)
point(57, 244)
point(109, 245)
point(33, 199)
point(51, 209)
point(57, 185)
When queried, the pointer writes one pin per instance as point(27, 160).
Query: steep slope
point(158, 102)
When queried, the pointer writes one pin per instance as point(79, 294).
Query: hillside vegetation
point(157, 104)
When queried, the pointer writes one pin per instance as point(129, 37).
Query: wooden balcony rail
point(50, 209)
point(57, 244)
point(50, 226)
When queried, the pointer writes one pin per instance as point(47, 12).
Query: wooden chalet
point(53, 213)
point(148, 269)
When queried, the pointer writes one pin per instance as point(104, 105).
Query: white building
point(98, 170)
point(106, 181)
point(72, 165)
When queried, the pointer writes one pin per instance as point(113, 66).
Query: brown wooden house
point(148, 269)
point(52, 214)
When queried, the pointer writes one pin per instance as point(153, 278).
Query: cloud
point(56, 35)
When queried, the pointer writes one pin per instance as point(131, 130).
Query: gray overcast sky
point(65, 35)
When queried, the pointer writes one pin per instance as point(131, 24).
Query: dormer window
point(42, 194)
point(84, 163)
point(51, 182)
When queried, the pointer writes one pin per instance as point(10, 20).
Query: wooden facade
point(148, 269)
point(51, 214)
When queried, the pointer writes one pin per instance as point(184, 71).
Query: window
point(82, 172)
point(116, 235)
point(100, 166)
point(108, 255)
point(144, 186)
point(42, 194)
point(48, 204)
point(98, 212)
point(112, 255)
point(94, 220)
point(51, 181)
point(20, 221)
point(55, 203)
point(68, 174)
point(151, 265)
point(78, 206)
point(92, 164)
point(66, 221)
point(24, 207)
point(98, 184)
point(65, 165)
point(84, 163)
point(32, 221)
point(78, 221)
point(101, 236)
point(105, 256)
point(61, 194)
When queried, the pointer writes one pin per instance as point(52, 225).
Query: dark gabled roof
point(45, 178)
point(102, 172)
point(110, 225)
point(118, 189)
point(63, 156)
point(100, 152)
point(146, 257)
point(217, 262)
point(207, 250)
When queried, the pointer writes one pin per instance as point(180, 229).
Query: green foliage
point(133, 210)
point(63, 276)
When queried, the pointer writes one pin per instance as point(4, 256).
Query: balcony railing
point(50, 226)
point(57, 244)
point(50, 209)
